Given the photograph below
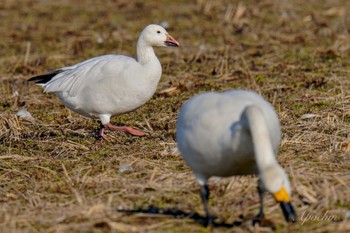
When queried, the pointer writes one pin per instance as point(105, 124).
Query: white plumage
point(233, 133)
point(108, 85)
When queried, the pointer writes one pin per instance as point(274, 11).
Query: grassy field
point(55, 176)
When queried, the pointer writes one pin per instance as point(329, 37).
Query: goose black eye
point(158, 32)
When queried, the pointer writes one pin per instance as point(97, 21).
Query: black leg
point(261, 214)
point(259, 219)
point(205, 198)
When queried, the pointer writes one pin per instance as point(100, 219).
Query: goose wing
point(71, 79)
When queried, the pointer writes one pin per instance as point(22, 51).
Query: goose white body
point(106, 86)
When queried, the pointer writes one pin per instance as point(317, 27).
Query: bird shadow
point(177, 213)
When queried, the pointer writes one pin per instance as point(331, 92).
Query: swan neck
point(253, 119)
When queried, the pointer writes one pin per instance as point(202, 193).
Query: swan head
point(156, 35)
point(274, 180)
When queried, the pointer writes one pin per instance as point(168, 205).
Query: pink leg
point(126, 129)
point(101, 134)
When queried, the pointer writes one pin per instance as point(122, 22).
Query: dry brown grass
point(55, 177)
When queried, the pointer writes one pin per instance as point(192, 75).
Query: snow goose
point(231, 134)
point(108, 85)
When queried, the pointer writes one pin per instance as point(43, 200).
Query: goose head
point(275, 181)
point(156, 35)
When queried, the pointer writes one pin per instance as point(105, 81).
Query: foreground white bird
point(233, 133)
point(108, 85)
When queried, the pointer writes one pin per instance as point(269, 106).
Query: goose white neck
point(145, 53)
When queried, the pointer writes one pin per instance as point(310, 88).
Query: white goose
point(108, 85)
point(233, 133)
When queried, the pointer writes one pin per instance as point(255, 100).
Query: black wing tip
point(44, 78)
point(35, 78)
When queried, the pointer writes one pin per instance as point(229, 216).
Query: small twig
point(148, 124)
point(26, 57)
point(70, 184)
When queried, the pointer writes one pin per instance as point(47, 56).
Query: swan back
point(211, 137)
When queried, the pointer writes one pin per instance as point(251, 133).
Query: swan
point(109, 85)
point(233, 133)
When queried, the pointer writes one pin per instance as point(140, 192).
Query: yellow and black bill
point(283, 198)
point(288, 211)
